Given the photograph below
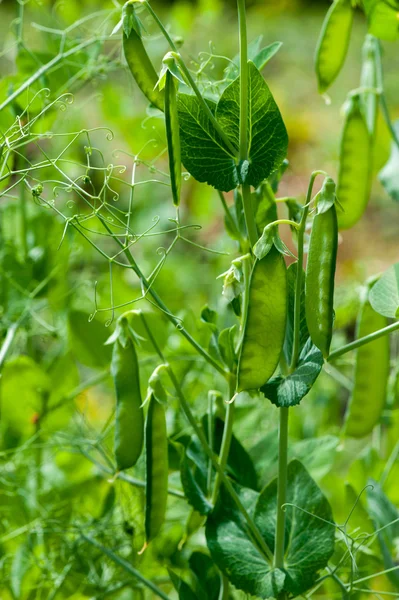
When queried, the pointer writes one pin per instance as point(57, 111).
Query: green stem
point(231, 221)
point(364, 340)
point(162, 306)
point(160, 25)
point(252, 529)
point(23, 217)
point(281, 488)
point(127, 567)
point(226, 441)
point(246, 189)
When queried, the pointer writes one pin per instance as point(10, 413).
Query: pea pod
point(320, 273)
point(333, 43)
point(371, 376)
point(138, 60)
point(265, 323)
point(156, 443)
point(354, 177)
point(173, 136)
point(369, 80)
point(129, 418)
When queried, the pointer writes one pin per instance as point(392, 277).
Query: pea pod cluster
point(371, 376)
point(333, 43)
point(129, 417)
point(320, 271)
point(138, 61)
point(354, 177)
point(156, 444)
point(265, 322)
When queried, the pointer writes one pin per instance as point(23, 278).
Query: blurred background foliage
point(56, 396)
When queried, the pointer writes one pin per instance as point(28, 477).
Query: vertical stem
point(281, 487)
point(226, 441)
point(224, 588)
point(284, 412)
point(23, 219)
point(246, 189)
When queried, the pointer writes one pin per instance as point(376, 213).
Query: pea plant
point(257, 521)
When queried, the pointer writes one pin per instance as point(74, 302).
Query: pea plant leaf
point(290, 390)
point(389, 174)
point(234, 551)
point(309, 537)
point(204, 153)
point(384, 295)
point(259, 56)
point(382, 18)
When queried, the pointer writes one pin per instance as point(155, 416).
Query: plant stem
point(246, 189)
point(226, 441)
point(364, 340)
point(252, 529)
point(224, 588)
point(126, 566)
point(281, 488)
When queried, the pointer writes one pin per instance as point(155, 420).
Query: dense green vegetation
point(199, 300)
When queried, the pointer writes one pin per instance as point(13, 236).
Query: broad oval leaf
point(205, 154)
point(309, 536)
point(290, 390)
point(384, 295)
point(267, 135)
point(309, 532)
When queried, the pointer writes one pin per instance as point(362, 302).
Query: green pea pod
point(173, 136)
point(369, 79)
point(142, 68)
point(354, 177)
point(156, 443)
point(333, 43)
point(320, 273)
point(129, 418)
point(264, 329)
point(371, 376)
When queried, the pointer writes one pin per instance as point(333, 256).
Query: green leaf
point(207, 575)
point(382, 19)
point(267, 135)
point(389, 175)
point(87, 340)
point(193, 474)
point(384, 514)
point(226, 346)
point(263, 57)
point(384, 295)
point(184, 590)
point(290, 390)
point(235, 553)
point(204, 154)
point(256, 54)
point(239, 464)
point(309, 539)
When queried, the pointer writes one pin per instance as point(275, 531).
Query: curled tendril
point(161, 251)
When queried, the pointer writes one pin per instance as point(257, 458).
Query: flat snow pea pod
point(354, 177)
point(369, 80)
point(333, 43)
point(319, 283)
point(142, 68)
point(156, 443)
point(129, 417)
point(264, 328)
point(173, 136)
point(371, 376)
